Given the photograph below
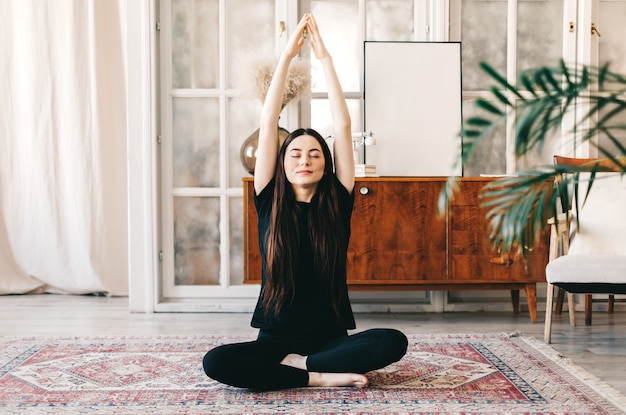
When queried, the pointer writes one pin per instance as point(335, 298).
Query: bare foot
point(325, 379)
point(295, 360)
point(338, 379)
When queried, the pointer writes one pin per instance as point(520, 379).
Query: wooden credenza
point(400, 241)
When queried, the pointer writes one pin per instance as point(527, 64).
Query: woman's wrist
point(326, 57)
point(326, 60)
point(287, 56)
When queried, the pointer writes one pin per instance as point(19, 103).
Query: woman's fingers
point(312, 23)
point(296, 40)
point(307, 27)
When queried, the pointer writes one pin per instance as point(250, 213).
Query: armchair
point(562, 231)
point(595, 261)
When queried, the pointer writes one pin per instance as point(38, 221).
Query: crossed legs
point(275, 362)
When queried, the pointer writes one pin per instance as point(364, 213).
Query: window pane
point(195, 53)
point(483, 33)
point(390, 20)
point(195, 142)
point(619, 135)
point(539, 23)
point(336, 20)
point(488, 155)
point(243, 120)
point(196, 241)
point(322, 121)
point(250, 33)
point(541, 155)
point(236, 240)
point(611, 43)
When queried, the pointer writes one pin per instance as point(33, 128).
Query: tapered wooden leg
point(571, 307)
point(547, 328)
point(611, 303)
point(560, 296)
point(588, 303)
point(531, 299)
point(515, 301)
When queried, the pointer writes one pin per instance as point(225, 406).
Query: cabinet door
point(472, 256)
point(397, 237)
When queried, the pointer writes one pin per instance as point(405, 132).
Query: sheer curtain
point(63, 217)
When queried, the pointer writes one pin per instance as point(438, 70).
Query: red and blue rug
point(454, 374)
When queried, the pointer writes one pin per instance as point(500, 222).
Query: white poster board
point(413, 107)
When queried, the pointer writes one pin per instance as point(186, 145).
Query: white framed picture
point(413, 107)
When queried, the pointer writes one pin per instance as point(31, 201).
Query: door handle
point(594, 30)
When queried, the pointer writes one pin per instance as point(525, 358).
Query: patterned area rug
point(455, 374)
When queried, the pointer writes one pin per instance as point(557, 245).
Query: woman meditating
point(304, 205)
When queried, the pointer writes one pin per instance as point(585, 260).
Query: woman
point(304, 208)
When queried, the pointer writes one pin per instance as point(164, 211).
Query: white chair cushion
point(602, 218)
point(610, 269)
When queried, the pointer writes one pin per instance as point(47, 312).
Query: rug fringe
point(601, 387)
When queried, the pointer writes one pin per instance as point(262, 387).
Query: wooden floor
point(600, 348)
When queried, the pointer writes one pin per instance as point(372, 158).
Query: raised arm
point(267, 150)
point(344, 158)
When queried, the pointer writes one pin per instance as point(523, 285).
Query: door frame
point(141, 64)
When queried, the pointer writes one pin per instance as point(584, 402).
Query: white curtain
point(63, 218)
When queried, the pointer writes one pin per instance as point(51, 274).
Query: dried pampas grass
point(298, 78)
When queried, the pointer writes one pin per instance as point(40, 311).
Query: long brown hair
point(328, 237)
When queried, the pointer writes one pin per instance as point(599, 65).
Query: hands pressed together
point(307, 28)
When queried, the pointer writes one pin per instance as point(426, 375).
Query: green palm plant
point(518, 205)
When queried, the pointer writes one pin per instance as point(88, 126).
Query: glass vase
point(247, 154)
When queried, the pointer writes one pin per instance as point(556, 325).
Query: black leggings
point(256, 364)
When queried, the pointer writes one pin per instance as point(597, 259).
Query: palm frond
point(518, 206)
point(500, 79)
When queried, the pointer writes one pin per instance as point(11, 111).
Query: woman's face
point(304, 161)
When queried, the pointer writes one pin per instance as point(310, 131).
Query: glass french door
point(506, 34)
point(208, 50)
point(207, 53)
point(596, 29)
point(513, 35)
